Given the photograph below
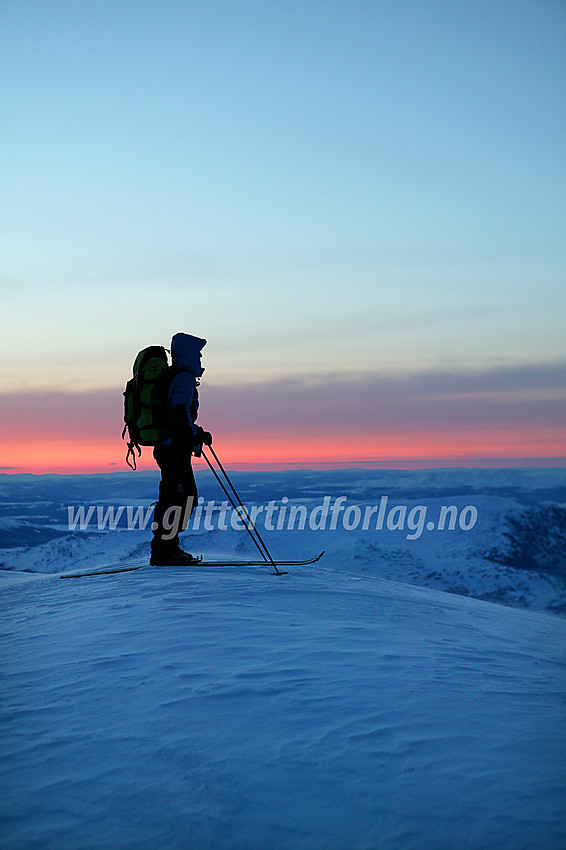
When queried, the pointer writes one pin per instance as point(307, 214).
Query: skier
point(177, 488)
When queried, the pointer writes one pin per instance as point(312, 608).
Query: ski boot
point(165, 554)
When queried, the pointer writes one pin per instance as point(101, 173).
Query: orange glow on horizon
point(272, 450)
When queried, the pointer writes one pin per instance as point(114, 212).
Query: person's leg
point(188, 492)
point(177, 499)
point(168, 494)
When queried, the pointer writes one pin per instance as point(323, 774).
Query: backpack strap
point(131, 442)
point(132, 448)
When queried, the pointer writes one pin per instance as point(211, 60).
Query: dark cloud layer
point(526, 396)
point(532, 396)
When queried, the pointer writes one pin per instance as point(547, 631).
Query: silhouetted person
point(177, 488)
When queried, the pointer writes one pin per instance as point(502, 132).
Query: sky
point(360, 205)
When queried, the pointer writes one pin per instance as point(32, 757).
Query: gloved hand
point(203, 437)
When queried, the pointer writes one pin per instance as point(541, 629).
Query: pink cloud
point(520, 408)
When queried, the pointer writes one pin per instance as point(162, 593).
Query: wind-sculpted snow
point(233, 709)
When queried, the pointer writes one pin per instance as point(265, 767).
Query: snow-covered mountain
point(468, 559)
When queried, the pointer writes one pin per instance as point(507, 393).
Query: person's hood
point(185, 352)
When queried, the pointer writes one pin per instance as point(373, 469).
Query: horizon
point(407, 465)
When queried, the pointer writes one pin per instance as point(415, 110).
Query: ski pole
point(242, 506)
point(246, 519)
point(248, 523)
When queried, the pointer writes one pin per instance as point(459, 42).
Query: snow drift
point(228, 709)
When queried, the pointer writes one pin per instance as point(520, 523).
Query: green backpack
point(145, 402)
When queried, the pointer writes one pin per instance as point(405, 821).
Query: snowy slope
point(230, 709)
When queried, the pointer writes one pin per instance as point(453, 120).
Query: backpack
point(145, 402)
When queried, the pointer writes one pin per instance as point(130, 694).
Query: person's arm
point(184, 400)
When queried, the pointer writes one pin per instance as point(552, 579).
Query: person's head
point(186, 353)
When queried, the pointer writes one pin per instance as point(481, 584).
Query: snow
point(235, 709)
point(230, 709)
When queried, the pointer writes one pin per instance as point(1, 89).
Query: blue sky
point(318, 188)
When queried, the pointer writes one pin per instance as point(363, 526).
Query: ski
point(112, 570)
point(263, 563)
point(105, 572)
